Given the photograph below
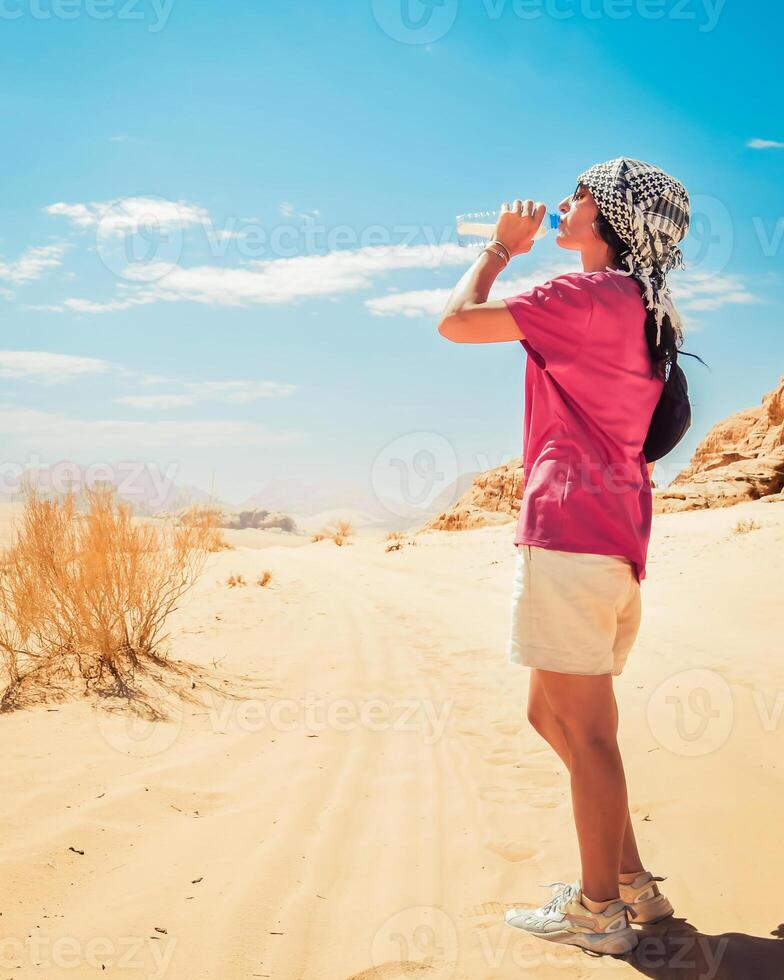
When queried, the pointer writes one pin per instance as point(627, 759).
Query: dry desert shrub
point(265, 578)
point(234, 580)
point(85, 598)
point(395, 541)
point(206, 518)
point(337, 531)
point(743, 527)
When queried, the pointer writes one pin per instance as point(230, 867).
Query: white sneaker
point(564, 919)
point(644, 896)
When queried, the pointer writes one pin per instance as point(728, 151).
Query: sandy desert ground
point(378, 799)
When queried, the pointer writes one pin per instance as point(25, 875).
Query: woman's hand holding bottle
point(517, 226)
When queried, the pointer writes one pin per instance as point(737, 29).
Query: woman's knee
point(539, 711)
point(541, 717)
point(537, 704)
point(536, 718)
point(584, 740)
point(583, 708)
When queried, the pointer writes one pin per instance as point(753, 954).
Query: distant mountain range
point(148, 491)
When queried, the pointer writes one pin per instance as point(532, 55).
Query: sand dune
point(379, 799)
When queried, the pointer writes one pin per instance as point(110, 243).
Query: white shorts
point(571, 612)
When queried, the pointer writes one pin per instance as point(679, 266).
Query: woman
point(599, 343)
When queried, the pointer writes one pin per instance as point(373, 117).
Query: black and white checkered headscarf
point(649, 211)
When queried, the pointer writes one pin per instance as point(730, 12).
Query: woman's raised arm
point(468, 317)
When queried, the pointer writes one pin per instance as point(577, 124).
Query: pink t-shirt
point(589, 398)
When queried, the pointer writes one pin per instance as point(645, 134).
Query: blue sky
point(302, 164)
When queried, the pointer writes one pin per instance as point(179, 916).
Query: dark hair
point(665, 355)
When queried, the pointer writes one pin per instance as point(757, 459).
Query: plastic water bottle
point(477, 228)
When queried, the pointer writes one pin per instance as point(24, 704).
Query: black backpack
point(671, 418)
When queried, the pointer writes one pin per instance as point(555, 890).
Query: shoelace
point(565, 893)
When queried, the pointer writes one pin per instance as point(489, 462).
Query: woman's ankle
point(597, 905)
point(627, 877)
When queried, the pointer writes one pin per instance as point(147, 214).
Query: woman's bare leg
point(585, 708)
point(542, 718)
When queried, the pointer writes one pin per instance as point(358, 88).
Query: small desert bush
point(233, 580)
point(337, 531)
point(206, 518)
point(85, 598)
point(743, 527)
point(395, 541)
point(265, 578)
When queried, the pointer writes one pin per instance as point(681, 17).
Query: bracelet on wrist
point(507, 253)
point(498, 252)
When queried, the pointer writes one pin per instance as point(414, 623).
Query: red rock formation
point(741, 458)
point(493, 498)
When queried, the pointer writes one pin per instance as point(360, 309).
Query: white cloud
point(693, 291)
point(698, 291)
point(418, 302)
point(88, 306)
point(48, 367)
point(224, 391)
point(33, 263)
point(155, 401)
point(431, 302)
point(758, 144)
point(288, 210)
point(51, 431)
point(291, 279)
point(158, 379)
point(275, 280)
point(128, 215)
point(224, 235)
point(241, 391)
